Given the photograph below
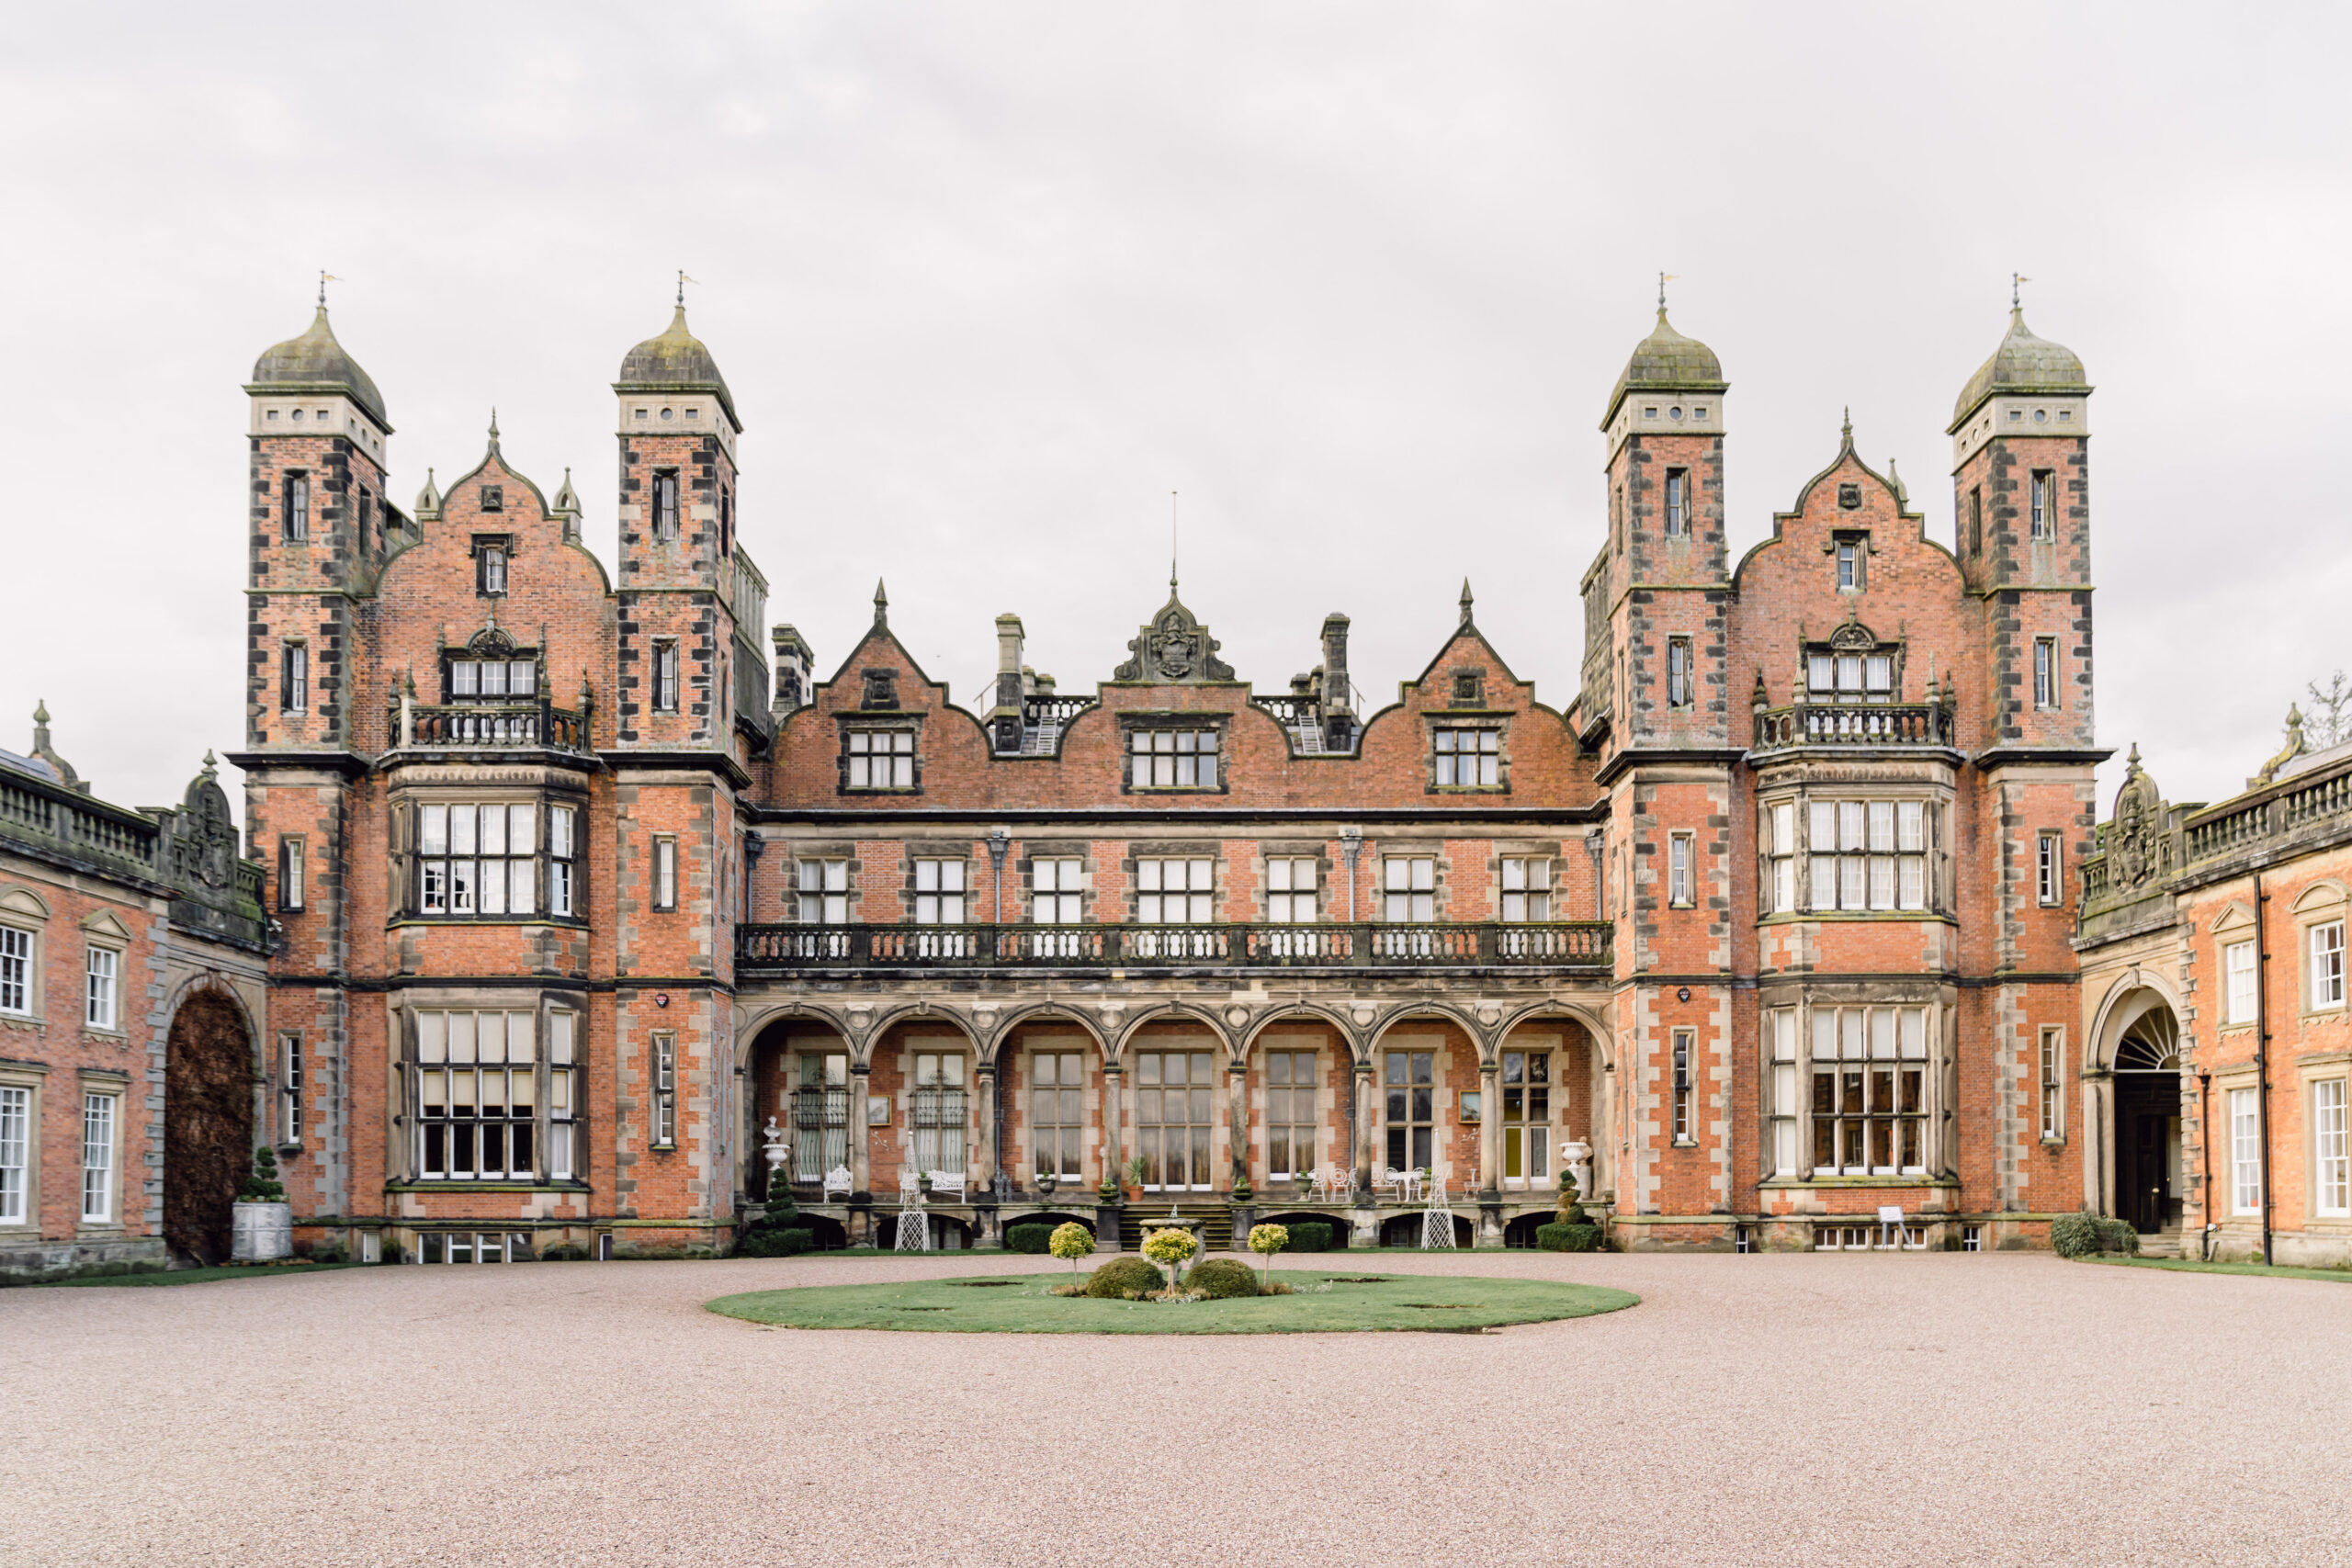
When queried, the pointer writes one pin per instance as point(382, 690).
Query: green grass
point(197, 1276)
point(2191, 1266)
point(1018, 1304)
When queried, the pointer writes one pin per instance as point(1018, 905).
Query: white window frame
point(1868, 856)
point(821, 885)
point(665, 1073)
point(562, 855)
point(102, 987)
point(878, 758)
point(2245, 1152)
point(1679, 683)
point(2331, 1150)
point(2238, 982)
point(2047, 869)
point(940, 894)
point(665, 872)
point(563, 1111)
point(1779, 891)
point(1787, 1103)
point(20, 986)
point(2052, 1063)
point(665, 674)
point(290, 1089)
point(1174, 758)
point(1292, 895)
point(101, 1155)
point(294, 676)
point(1852, 1043)
point(1409, 889)
point(444, 1048)
point(1161, 900)
point(19, 1150)
point(2045, 673)
point(1681, 876)
point(2325, 947)
point(1057, 890)
point(1527, 888)
point(1684, 1045)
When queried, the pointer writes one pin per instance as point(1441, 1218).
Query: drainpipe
point(2205, 1121)
point(2262, 1049)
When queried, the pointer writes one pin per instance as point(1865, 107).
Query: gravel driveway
point(1815, 1410)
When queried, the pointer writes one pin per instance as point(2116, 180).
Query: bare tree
point(2327, 720)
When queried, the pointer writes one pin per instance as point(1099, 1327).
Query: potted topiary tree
point(262, 1221)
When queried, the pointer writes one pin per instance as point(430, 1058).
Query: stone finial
point(212, 768)
point(567, 500)
point(1465, 601)
point(44, 751)
point(1845, 434)
point(2131, 762)
point(428, 500)
point(881, 605)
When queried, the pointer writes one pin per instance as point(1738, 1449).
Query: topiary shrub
point(2075, 1236)
point(1035, 1238)
point(1120, 1278)
point(1071, 1241)
point(263, 1185)
point(1220, 1279)
point(761, 1241)
point(1568, 1239)
point(2118, 1235)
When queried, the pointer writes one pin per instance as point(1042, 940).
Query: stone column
point(1106, 1216)
point(1366, 1092)
point(859, 1165)
point(1236, 1131)
point(984, 1154)
point(1490, 1131)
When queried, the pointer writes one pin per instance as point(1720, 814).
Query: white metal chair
point(1410, 1180)
point(837, 1180)
point(910, 1183)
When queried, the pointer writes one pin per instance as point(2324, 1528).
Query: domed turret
point(675, 362)
point(2023, 364)
point(1667, 361)
point(315, 362)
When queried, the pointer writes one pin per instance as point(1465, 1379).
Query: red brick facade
point(1758, 931)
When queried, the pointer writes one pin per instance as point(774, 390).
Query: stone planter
point(261, 1233)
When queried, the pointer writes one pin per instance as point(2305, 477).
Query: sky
point(989, 282)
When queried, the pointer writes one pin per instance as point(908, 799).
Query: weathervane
point(2016, 278)
point(325, 277)
point(683, 281)
point(1663, 279)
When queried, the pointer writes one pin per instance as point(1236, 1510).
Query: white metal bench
point(947, 1182)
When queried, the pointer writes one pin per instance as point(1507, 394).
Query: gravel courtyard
point(1815, 1410)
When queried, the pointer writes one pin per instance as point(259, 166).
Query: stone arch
point(2132, 1104)
point(1170, 1012)
point(764, 1047)
point(1594, 1025)
point(2135, 994)
point(208, 1089)
point(1056, 1012)
point(1477, 1032)
point(1294, 1011)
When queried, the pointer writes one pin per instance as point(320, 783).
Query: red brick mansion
point(597, 899)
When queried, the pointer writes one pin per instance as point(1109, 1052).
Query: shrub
point(1220, 1279)
point(263, 1185)
point(1568, 1239)
point(326, 1252)
point(1122, 1278)
point(569, 1252)
point(1033, 1238)
point(394, 1252)
point(2118, 1235)
point(2074, 1236)
point(1308, 1236)
point(1171, 1248)
point(761, 1241)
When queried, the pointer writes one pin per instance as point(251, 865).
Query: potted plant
point(262, 1221)
point(1047, 1182)
point(1132, 1170)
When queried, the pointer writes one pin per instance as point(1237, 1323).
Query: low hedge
point(1036, 1238)
point(1311, 1235)
point(1123, 1277)
point(762, 1242)
point(1568, 1239)
point(2080, 1234)
point(1220, 1279)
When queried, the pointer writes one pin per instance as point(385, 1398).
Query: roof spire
point(493, 428)
point(1465, 601)
point(2016, 299)
point(1172, 544)
point(1847, 434)
point(1663, 279)
point(881, 605)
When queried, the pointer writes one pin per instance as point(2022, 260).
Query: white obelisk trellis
point(914, 1224)
point(1437, 1222)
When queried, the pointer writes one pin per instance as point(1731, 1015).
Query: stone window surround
point(2323, 902)
point(868, 720)
point(1479, 718)
point(31, 1075)
point(1021, 907)
point(2233, 925)
point(1218, 722)
point(1294, 849)
point(402, 815)
point(1798, 791)
point(23, 909)
point(2311, 1071)
point(114, 1085)
point(1943, 1068)
point(404, 1166)
point(104, 930)
point(2052, 1128)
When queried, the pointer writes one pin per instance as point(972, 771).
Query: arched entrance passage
point(2147, 1115)
point(799, 1073)
point(207, 1124)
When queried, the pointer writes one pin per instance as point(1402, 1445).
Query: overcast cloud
point(989, 281)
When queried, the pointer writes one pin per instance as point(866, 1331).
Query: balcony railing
point(490, 726)
point(1854, 724)
point(1573, 945)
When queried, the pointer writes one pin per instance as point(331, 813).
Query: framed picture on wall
point(877, 1110)
point(1469, 1105)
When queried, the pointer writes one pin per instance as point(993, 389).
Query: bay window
point(1870, 1091)
point(1867, 854)
point(483, 860)
point(477, 1095)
